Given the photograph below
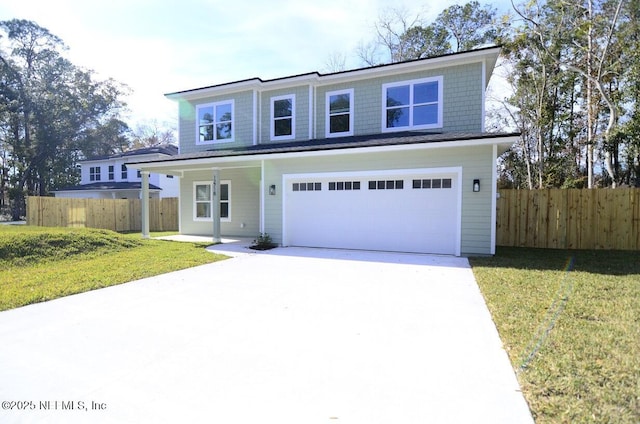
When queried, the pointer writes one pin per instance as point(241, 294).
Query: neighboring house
point(108, 177)
point(391, 157)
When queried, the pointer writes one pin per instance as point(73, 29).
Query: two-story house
point(108, 177)
point(391, 157)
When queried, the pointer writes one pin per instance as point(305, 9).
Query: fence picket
point(111, 214)
point(570, 219)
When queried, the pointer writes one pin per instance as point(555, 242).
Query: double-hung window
point(123, 172)
point(283, 117)
point(203, 201)
point(111, 173)
point(94, 173)
point(411, 105)
point(215, 122)
point(339, 113)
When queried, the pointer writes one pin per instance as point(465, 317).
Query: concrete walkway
point(290, 335)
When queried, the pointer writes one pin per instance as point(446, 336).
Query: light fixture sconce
point(476, 185)
point(272, 190)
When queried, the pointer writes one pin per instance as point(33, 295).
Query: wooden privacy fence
point(110, 214)
point(569, 218)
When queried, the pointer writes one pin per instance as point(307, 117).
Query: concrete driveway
point(291, 335)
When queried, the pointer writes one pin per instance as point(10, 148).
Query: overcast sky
point(156, 47)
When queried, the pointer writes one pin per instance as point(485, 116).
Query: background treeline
point(570, 85)
point(54, 113)
point(571, 74)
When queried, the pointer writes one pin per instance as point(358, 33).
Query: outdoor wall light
point(476, 185)
point(272, 189)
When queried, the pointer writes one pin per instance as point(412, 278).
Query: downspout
point(262, 197)
point(494, 197)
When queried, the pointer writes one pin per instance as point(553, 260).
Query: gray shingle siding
point(462, 108)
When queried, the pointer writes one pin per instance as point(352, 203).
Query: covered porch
point(219, 197)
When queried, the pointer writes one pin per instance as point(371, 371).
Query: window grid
point(306, 186)
point(413, 104)
point(203, 199)
point(344, 185)
point(283, 122)
point(215, 123)
point(433, 183)
point(386, 184)
point(94, 173)
point(339, 113)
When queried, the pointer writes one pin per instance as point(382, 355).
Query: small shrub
point(263, 242)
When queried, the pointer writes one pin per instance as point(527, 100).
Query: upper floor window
point(413, 104)
point(111, 173)
point(283, 117)
point(123, 171)
point(339, 114)
point(94, 173)
point(215, 122)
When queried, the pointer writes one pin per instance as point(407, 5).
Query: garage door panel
point(385, 213)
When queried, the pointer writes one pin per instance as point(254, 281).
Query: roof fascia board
point(332, 152)
point(487, 55)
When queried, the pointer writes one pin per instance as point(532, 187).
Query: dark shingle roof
point(168, 149)
point(374, 140)
point(108, 185)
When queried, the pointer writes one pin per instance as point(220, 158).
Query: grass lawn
point(39, 264)
point(570, 321)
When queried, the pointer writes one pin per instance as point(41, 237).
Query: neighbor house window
point(283, 117)
point(412, 104)
point(215, 122)
point(94, 173)
point(111, 173)
point(203, 199)
point(123, 171)
point(339, 114)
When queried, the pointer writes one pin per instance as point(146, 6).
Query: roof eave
point(502, 141)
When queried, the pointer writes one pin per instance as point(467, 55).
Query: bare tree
point(152, 134)
point(336, 62)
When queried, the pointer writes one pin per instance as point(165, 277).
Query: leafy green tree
point(402, 37)
point(469, 25)
point(587, 34)
point(51, 110)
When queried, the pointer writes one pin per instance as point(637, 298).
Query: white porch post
point(215, 207)
point(144, 194)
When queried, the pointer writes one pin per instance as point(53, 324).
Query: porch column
point(144, 194)
point(215, 207)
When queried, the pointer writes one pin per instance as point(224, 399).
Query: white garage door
point(403, 211)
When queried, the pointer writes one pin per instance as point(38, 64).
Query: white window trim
point(215, 140)
point(293, 118)
point(210, 184)
point(411, 83)
point(95, 173)
point(327, 127)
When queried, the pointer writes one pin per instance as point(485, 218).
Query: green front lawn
point(570, 321)
point(39, 264)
